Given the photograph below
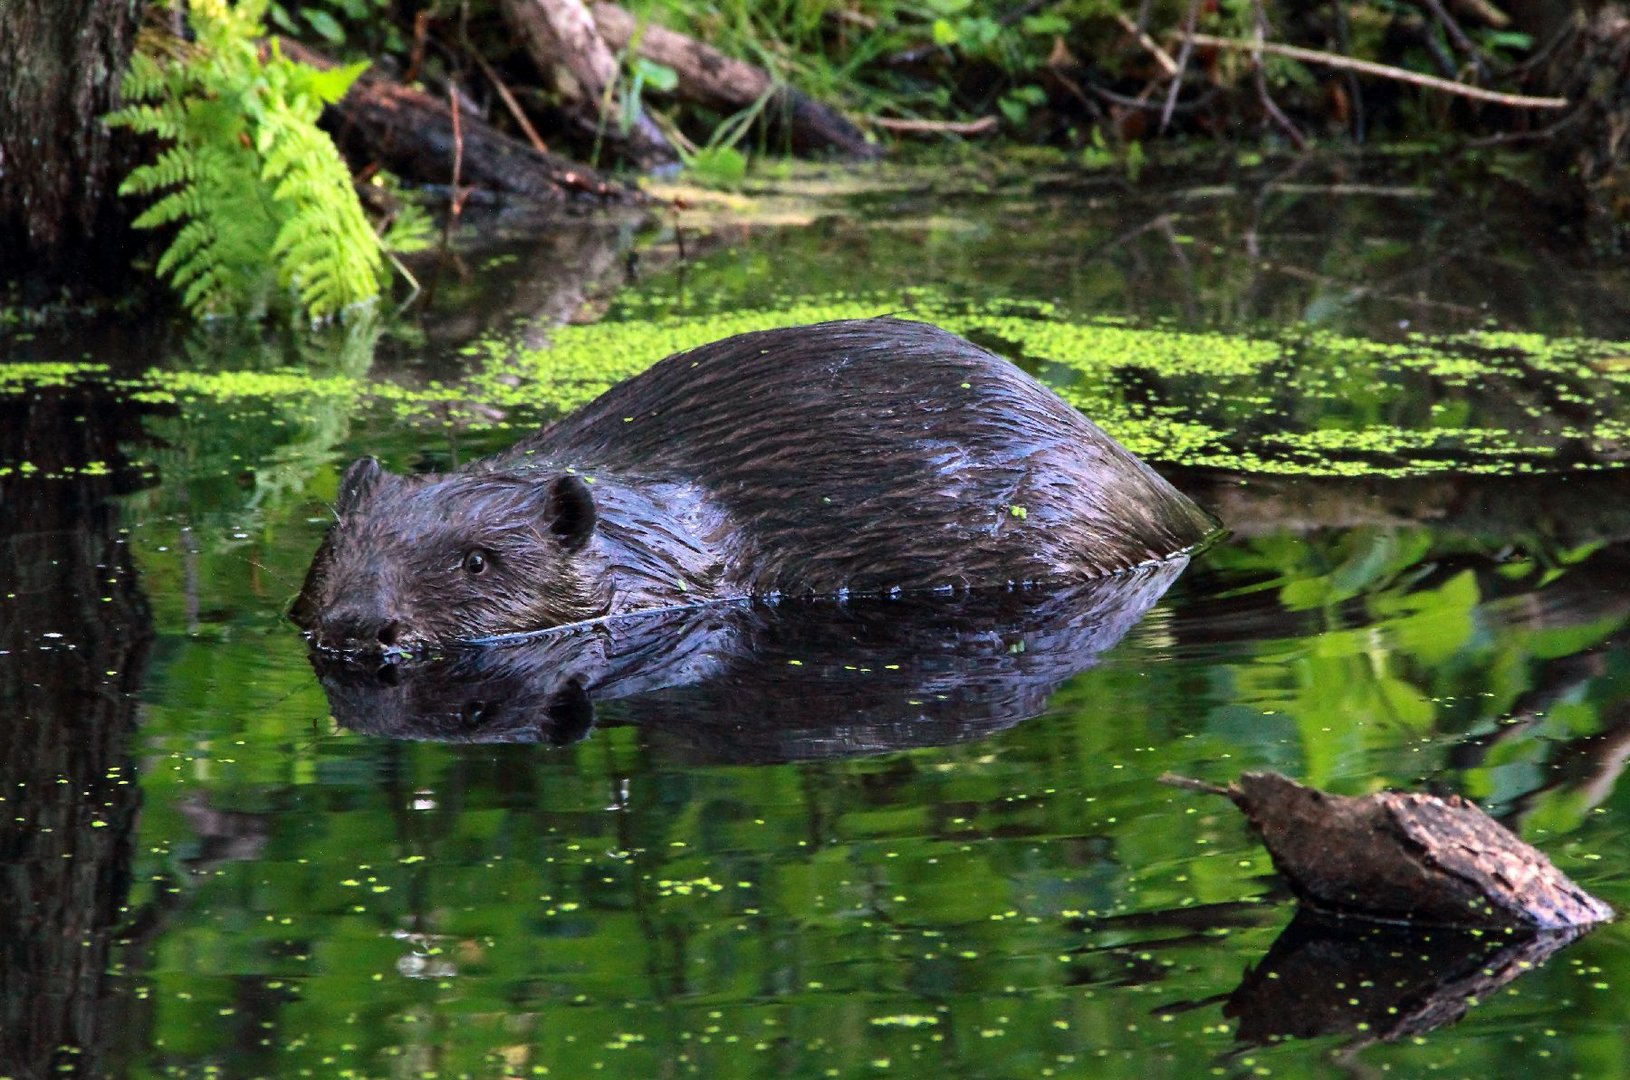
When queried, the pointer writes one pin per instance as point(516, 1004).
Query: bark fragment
point(1406, 857)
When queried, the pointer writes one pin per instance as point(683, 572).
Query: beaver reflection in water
point(856, 457)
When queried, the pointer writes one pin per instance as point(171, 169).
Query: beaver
point(715, 682)
point(858, 457)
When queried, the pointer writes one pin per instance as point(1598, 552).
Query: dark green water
point(203, 874)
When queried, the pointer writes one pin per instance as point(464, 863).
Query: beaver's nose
point(352, 629)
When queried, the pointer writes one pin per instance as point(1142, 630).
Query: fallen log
point(708, 77)
point(561, 38)
point(1405, 857)
point(412, 134)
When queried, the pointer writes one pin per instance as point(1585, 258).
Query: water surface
point(904, 854)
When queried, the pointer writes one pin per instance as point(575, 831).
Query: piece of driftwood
point(1405, 856)
point(1378, 983)
point(412, 134)
point(709, 77)
point(561, 38)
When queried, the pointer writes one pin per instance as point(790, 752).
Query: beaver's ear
point(570, 511)
point(358, 483)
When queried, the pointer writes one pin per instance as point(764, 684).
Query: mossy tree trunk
point(60, 67)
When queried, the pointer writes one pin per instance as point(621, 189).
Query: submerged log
point(412, 134)
point(708, 77)
point(1404, 856)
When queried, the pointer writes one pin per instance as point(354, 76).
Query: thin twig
point(1546, 132)
point(983, 126)
point(1162, 57)
point(511, 104)
point(1486, 12)
point(1542, 56)
point(455, 204)
point(401, 268)
point(458, 148)
point(1126, 102)
point(1259, 36)
point(1383, 71)
point(1457, 35)
point(421, 31)
point(1189, 783)
point(1189, 22)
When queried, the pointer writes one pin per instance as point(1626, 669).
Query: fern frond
point(196, 294)
point(174, 166)
point(183, 252)
point(174, 207)
point(167, 121)
point(145, 80)
point(411, 230)
point(258, 193)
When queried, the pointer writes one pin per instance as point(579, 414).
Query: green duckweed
point(1301, 400)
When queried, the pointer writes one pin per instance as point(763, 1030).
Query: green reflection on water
point(307, 901)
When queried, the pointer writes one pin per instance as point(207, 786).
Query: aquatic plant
point(261, 196)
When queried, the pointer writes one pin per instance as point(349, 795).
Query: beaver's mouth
point(397, 650)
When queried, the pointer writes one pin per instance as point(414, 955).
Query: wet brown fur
point(855, 457)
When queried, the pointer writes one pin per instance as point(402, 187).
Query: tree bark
point(61, 62)
point(411, 134)
point(1592, 67)
point(561, 38)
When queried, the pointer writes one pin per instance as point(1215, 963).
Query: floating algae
point(1298, 400)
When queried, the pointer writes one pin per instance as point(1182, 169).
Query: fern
point(263, 201)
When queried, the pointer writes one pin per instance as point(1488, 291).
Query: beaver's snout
point(353, 627)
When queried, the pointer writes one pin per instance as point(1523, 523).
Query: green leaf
point(331, 85)
point(659, 77)
point(1514, 40)
point(325, 24)
point(1045, 25)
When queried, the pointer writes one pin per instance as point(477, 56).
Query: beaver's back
point(876, 454)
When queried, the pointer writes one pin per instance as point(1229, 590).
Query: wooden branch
point(1382, 71)
point(561, 38)
point(1152, 47)
point(1458, 36)
point(1189, 21)
point(1484, 12)
point(709, 77)
point(510, 103)
point(560, 34)
point(1275, 113)
point(983, 126)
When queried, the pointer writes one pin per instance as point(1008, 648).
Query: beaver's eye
point(475, 561)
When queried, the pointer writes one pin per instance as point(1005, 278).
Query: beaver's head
point(437, 559)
